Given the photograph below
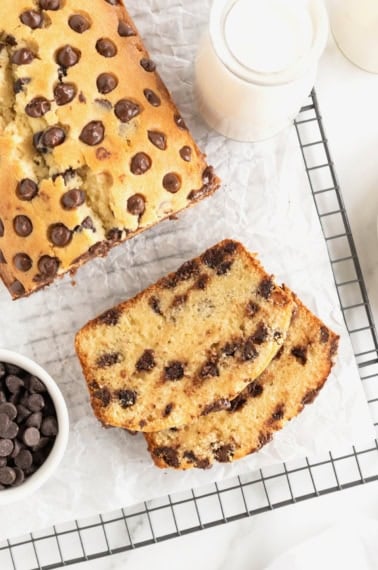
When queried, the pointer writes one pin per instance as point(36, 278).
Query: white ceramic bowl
point(44, 472)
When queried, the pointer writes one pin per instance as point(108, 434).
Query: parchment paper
point(266, 203)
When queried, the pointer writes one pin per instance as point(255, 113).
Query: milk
point(355, 28)
point(257, 64)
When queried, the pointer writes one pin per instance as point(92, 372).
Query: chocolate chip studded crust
point(195, 337)
point(92, 148)
point(248, 422)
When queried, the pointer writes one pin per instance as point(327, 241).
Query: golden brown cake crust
point(92, 148)
point(181, 347)
point(292, 380)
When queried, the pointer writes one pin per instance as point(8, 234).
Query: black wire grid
point(267, 489)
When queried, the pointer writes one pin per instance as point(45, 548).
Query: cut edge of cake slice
point(292, 380)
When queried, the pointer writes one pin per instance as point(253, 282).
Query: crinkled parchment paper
point(265, 202)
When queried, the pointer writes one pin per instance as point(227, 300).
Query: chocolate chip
point(49, 4)
point(310, 396)
point(1, 228)
point(17, 446)
point(82, 98)
point(254, 389)
point(152, 97)
point(208, 180)
point(140, 163)
point(167, 410)
point(32, 19)
point(73, 199)
point(209, 370)
point(154, 303)
point(22, 262)
point(4, 424)
point(6, 447)
point(265, 288)
point(68, 56)
point(198, 463)
point(249, 351)
point(186, 153)
point(7, 475)
point(22, 413)
point(12, 431)
point(188, 270)
point(60, 235)
point(10, 40)
point(146, 362)
point(9, 410)
point(17, 289)
point(37, 107)
point(64, 93)
point(251, 309)
point(261, 334)
point(158, 139)
point(125, 110)
point(201, 282)
point(127, 398)
point(125, 30)
point(279, 353)
point(27, 189)
point(50, 138)
point(172, 182)
point(108, 359)
point(217, 406)
point(35, 402)
point(48, 266)
point(14, 383)
point(22, 56)
point(20, 476)
point(104, 395)
point(136, 205)
point(3, 370)
point(106, 47)
point(216, 255)
point(264, 438)
point(106, 82)
point(168, 454)
point(113, 2)
point(238, 403)
point(174, 371)
point(22, 226)
point(24, 459)
point(231, 348)
point(224, 453)
point(110, 318)
point(78, 23)
point(31, 436)
point(300, 353)
point(34, 421)
point(324, 334)
point(105, 103)
point(19, 84)
point(148, 64)
point(180, 122)
point(278, 413)
point(93, 133)
point(224, 267)
point(2, 258)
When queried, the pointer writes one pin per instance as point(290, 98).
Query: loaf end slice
point(186, 345)
point(292, 380)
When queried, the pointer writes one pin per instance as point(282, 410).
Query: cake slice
point(186, 345)
point(92, 148)
point(292, 380)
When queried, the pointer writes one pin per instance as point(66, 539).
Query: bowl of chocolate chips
point(34, 426)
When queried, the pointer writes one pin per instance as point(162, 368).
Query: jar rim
point(218, 15)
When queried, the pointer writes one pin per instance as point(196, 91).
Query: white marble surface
point(348, 99)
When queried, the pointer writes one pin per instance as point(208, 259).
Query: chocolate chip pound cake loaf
point(186, 345)
point(92, 148)
point(293, 379)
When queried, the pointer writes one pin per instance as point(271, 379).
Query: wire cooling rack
point(267, 489)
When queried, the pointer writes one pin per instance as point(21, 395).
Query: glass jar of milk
point(355, 28)
point(257, 64)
